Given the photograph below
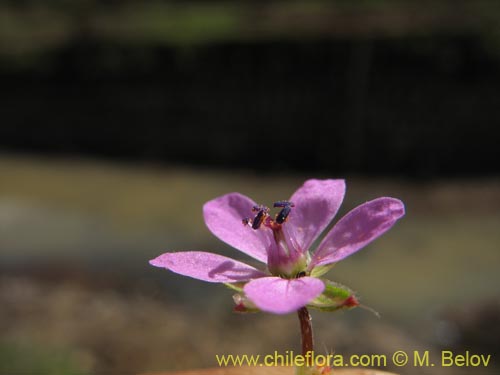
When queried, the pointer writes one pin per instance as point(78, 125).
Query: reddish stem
point(306, 331)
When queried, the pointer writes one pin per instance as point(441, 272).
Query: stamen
point(283, 204)
point(262, 216)
point(260, 207)
point(259, 218)
point(282, 216)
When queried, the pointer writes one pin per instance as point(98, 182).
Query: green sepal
point(237, 287)
point(243, 304)
point(335, 297)
point(321, 270)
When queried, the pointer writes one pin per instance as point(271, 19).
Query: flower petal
point(283, 296)
point(209, 267)
point(316, 203)
point(358, 228)
point(224, 215)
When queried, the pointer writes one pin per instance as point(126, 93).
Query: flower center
point(285, 258)
point(262, 216)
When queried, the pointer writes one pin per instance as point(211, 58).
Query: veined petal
point(224, 215)
point(316, 203)
point(209, 267)
point(283, 296)
point(358, 228)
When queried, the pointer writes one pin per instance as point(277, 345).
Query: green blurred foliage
point(33, 27)
point(29, 358)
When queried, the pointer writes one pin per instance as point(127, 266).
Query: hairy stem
point(306, 331)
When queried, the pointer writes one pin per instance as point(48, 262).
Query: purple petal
point(358, 228)
point(209, 267)
point(283, 296)
point(316, 203)
point(224, 215)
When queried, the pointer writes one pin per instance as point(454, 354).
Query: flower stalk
point(306, 334)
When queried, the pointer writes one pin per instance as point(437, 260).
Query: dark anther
point(259, 218)
point(282, 215)
point(285, 211)
point(262, 214)
point(301, 274)
point(283, 204)
point(259, 207)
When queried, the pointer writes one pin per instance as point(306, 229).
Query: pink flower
point(291, 280)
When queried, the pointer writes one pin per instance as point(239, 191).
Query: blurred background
point(119, 119)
